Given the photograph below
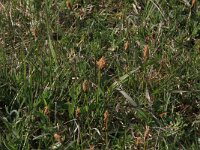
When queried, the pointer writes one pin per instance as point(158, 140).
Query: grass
point(99, 75)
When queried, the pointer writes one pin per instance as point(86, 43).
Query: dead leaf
point(117, 107)
point(128, 98)
point(147, 95)
point(163, 114)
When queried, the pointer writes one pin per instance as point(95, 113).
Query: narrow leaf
point(128, 98)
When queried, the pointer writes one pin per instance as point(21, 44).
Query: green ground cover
point(116, 74)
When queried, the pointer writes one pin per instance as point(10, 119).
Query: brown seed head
point(2, 8)
point(106, 117)
point(78, 113)
point(69, 5)
point(101, 64)
point(91, 147)
point(146, 133)
point(34, 32)
point(138, 141)
point(193, 2)
point(126, 45)
point(146, 53)
point(57, 137)
point(85, 86)
point(46, 110)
